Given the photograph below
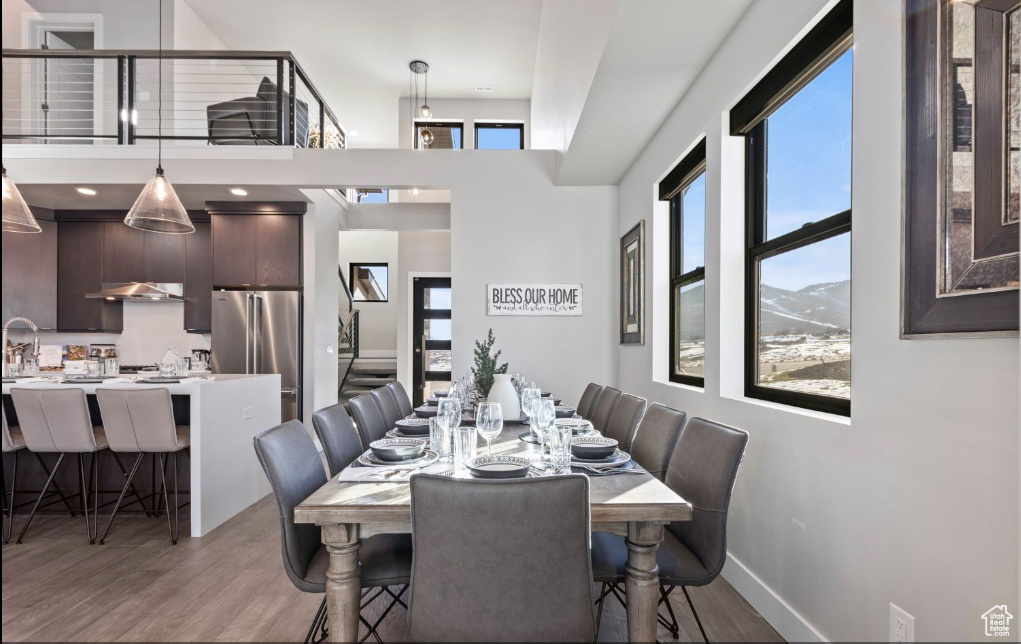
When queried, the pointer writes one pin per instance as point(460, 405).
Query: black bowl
point(593, 447)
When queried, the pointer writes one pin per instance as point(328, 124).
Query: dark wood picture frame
point(923, 313)
point(632, 286)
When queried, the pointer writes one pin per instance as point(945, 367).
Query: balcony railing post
point(132, 70)
point(280, 101)
point(122, 108)
point(322, 124)
point(292, 128)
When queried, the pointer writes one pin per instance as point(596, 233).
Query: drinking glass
point(529, 399)
point(560, 448)
point(92, 369)
point(450, 411)
point(112, 367)
point(182, 365)
point(31, 367)
point(439, 438)
point(489, 421)
point(466, 440)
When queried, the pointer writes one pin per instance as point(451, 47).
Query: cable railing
point(112, 97)
point(347, 340)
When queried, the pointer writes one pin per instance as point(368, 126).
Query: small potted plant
point(491, 378)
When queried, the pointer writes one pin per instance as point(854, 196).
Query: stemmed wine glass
point(529, 399)
point(545, 416)
point(489, 421)
point(449, 411)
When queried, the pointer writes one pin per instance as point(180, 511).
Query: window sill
point(836, 419)
point(682, 386)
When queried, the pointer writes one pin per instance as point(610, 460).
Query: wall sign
point(534, 299)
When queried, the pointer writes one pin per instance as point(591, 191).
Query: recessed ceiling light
point(353, 133)
point(110, 299)
point(86, 191)
point(239, 192)
point(415, 192)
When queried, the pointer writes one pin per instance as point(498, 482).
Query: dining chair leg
point(9, 509)
point(91, 526)
point(664, 598)
point(120, 499)
point(695, 613)
point(134, 489)
point(56, 486)
point(39, 500)
point(316, 622)
point(599, 614)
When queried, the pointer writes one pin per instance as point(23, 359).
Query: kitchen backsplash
point(148, 330)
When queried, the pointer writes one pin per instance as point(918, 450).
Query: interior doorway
point(431, 364)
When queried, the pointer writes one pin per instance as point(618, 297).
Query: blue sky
point(499, 139)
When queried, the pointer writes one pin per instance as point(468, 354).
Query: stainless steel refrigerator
point(256, 332)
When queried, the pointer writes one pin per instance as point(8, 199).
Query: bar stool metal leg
point(134, 489)
point(120, 499)
point(39, 500)
point(56, 486)
point(87, 486)
point(175, 530)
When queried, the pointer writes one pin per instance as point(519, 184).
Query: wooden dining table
point(634, 506)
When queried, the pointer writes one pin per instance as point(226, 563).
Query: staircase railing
point(347, 337)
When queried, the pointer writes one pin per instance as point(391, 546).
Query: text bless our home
point(535, 299)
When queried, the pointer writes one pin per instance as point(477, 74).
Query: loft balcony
point(111, 97)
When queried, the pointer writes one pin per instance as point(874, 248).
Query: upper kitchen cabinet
point(123, 253)
point(30, 274)
point(164, 257)
point(80, 270)
point(198, 279)
point(256, 244)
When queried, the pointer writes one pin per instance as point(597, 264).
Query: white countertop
point(187, 385)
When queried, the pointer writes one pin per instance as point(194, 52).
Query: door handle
point(248, 332)
point(257, 316)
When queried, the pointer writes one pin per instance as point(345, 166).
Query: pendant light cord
point(159, 103)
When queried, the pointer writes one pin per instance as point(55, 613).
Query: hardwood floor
point(227, 586)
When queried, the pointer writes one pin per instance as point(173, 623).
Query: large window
point(685, 188)
point(441, 135)
point(797, 124)
point(370, 282)
point(499, 136)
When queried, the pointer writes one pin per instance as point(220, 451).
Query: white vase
point(503, 392)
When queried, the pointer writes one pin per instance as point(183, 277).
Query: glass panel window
point(689, 353)
point(687, 271)
point(436, 329)
point(693, 213)
point(434, 135)
point(808, 156)
point(499, 136)
point(437, 299)
point(369, 282)
point(372, 195)
point(438, 360)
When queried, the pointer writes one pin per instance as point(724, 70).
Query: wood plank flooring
point(227, 586)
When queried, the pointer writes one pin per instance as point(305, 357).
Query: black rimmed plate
point(160, 380)
point(398, 433)
point(397, 449)
point(83, 381)
point(369, 459)
point(593, 447)
point(414, 426)
point(578, 426)
point(499, 467)
point(434, 400)
point(427, 411)
point(618, 459)
point(565, 411)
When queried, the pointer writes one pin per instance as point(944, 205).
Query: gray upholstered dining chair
point(623, 422)
point(368, 418)
point(400, 394)
point(142, 421)
point(603, 407)
point(654, 442)
point(702, 471)
point(515, 569)
point(292, 465)
point(57, 421)
point(338, 436)
point(387, 406)
point(588, 400)
point(13, 443)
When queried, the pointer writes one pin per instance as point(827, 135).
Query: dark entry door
point(431, 335)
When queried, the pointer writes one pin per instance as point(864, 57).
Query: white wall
point(915, 500)
point(468, 110)
point(377, 321)
point(420, 252)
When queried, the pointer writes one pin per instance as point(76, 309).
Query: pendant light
point(158, 209)
point(419, 68)
point(17, 216)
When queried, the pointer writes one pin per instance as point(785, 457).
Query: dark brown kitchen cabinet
point(198, 279)
point(30, 275)
point(80, 268)
point(256, 250)
point(123, 253)
point(164, 257)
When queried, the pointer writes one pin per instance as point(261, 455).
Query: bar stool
point(12, 443)
point(56, 421)
point(142, 421)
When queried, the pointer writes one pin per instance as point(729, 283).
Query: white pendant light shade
point(158, 209)
point(427, 137)
point(425, 112)
point(17, 216)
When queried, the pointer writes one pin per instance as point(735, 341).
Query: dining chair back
point(515, 568)
point(401, 396)
point(338, 436)
point(702, 471)
point(56, 421)
point(654, 442)
point(387, 406)
point(366, 414)
point(140, 420)
point(625, 418)
point(603, 408)
point(588, 400)
point(292, 465)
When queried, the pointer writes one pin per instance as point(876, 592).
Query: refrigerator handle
point(257, 317)
point(248, 331)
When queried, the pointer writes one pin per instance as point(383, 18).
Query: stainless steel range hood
point(141, 292)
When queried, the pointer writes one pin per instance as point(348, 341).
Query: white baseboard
point(369, 354)
point(787, 622)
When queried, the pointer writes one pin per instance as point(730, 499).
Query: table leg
point(642, 580)
point(343, 582)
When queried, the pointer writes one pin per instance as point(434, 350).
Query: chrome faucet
point(9, 353)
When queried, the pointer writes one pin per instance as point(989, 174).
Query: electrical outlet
point(902, 625)
point(247, 413)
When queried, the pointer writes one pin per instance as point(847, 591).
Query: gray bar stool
point(142, 421)
point(56, 421)
point(12, 443)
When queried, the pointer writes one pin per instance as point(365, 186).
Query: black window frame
point(351, 279)
point(672, 188)
point(825, 43)
point(448, 124)
point(520, 127)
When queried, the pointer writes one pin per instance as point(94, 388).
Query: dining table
point(636, 506)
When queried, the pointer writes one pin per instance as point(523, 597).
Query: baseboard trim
point(787, 622)
point(389, 354)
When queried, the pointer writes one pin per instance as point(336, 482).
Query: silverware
point(606, 472)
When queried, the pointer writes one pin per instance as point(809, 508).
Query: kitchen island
point(226, 412)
